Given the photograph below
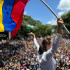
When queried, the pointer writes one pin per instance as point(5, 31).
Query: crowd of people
point(62, 56)
point(23, 55)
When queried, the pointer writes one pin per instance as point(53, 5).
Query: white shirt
point(46, 60)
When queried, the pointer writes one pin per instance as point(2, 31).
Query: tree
point(66, 19)
point(30, 20)
point(41, 30)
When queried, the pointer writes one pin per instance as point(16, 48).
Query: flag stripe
point(8, 22)
point(14, 32)
point(1, 17)
point(18, 9)
point(17, 14)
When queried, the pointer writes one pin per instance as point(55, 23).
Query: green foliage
point(38, 29)
point(55, 28)
point(66, 19)
point(29, 20)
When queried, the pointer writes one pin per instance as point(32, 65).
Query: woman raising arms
point(47, 48)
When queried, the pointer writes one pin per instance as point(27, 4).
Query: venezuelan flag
point(11, 14)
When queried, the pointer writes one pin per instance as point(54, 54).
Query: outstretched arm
point(56, 41)
point(37, 45)
point(35, 41)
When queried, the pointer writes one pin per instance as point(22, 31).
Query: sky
point(38, 11)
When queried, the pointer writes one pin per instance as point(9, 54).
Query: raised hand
point(60, 24)
point(32, 34)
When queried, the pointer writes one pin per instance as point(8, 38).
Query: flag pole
point(56, 16)
point(9, 35)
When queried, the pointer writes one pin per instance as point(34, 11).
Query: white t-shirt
point(46, 59)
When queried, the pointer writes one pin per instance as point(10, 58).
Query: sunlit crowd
point(22, 55)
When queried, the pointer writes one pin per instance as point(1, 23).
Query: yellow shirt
point(1, 16)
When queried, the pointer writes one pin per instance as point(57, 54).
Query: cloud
point(30, 26)
point(25, 13)
point(52, 22)
point(64, 5)
point(60, 13)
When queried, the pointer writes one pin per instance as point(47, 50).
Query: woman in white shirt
point(47, 49)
